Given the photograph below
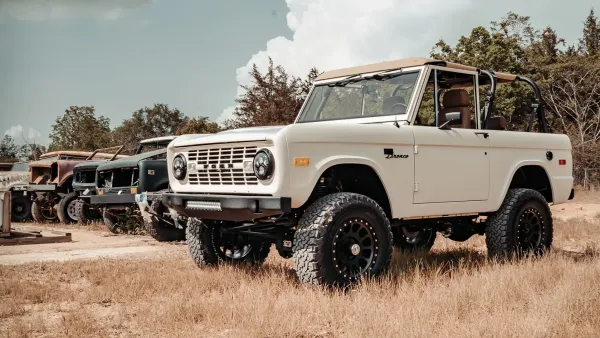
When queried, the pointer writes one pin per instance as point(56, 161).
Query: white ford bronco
point(380, 156)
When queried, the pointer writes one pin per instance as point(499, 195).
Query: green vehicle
point(129, 192)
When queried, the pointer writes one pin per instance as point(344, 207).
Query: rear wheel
point(21, 208)
point(43, 209)
point(209, 247)
point(522, 225)
point(67, 208)
point(341, 238)
point(413, 240)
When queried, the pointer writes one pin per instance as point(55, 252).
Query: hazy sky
point(122, 55)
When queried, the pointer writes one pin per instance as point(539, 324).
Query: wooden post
point(6, 209)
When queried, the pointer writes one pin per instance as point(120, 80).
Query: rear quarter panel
point(511, 150)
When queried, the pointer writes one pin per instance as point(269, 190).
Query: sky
point(122, 55)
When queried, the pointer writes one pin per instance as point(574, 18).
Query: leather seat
point(456, 101)
point(497, 123)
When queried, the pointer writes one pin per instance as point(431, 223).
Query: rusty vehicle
point(51, 178)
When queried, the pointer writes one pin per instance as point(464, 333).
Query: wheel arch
point(364, 170)
point(530, 175)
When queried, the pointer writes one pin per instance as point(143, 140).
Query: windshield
point(354, 97)
point(20, 167)
point(146, 147)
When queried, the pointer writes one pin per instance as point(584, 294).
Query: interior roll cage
point(537, 107)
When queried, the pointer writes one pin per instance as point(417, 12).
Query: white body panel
point(456, 170)
point(439, 173)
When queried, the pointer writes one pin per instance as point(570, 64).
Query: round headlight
point(263, 164)
point(179, 167)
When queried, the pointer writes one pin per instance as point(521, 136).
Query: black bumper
point(113, 199)
point(227, 207)
point(81, 188)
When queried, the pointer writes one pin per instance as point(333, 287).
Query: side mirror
point(451, 117)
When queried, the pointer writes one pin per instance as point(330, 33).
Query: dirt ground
point(85, 244)
point(89, 244)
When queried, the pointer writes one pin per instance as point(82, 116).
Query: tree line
point(567, 72)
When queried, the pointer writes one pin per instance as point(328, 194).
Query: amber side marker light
point(562, 162)
point(133, 190)
point(301, 161)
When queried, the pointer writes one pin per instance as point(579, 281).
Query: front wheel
point(67, 208)
point(43, 209)
point(21, 208)
point(158, 228)
point(341, 238)
point(208, 246)
point(522, 225)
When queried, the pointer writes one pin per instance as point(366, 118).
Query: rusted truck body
point(51, 178)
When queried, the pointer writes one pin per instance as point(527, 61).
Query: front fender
point(301, 189)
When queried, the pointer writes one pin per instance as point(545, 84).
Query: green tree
point(274, 98)
point(590, 42)
point(80, 129)
point(148, 122)
point(9, 151)
point(199, 125)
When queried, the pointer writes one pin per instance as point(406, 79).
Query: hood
point(228, 136)
point(131, 161)
point(88, 165)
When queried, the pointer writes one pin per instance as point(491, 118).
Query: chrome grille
point(222, 166)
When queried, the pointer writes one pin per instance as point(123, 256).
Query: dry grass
point(455, 291)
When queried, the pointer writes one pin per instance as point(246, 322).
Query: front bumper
point(84, 189)
point(113, 199)
point(226, 207)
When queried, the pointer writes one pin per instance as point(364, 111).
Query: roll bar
point(537, 107)
point(98, 150)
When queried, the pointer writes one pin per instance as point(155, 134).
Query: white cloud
point(21, 134)
point(37, 10)
point(331, 34)
point(226, 114)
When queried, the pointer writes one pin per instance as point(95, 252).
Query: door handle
point(485, 135)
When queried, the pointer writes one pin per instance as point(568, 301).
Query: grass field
point(455, 291)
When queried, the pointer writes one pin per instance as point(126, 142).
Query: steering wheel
point(402, 108)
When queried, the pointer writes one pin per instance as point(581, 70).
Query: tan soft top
point(79, 153)
point(403, 63)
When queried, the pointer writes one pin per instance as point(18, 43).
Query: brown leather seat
point(456, 101)
point(497, 123)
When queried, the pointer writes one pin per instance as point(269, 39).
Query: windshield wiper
point(388, 76)
point(378, 77)
point(345, 81)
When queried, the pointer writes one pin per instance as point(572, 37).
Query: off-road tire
point(313, 247)
point(84, 213)
point(423, 245)
point(36, 211)
point(63, 208)
point(111, 222)
point(501, 233)
point(158, 229)
point(25, 213)
point(203, 246)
